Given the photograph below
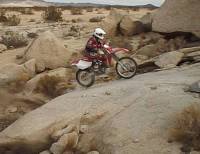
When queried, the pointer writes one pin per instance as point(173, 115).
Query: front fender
point(114, 50)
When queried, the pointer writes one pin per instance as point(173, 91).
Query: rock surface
point(13, 73)
point(2, 48)
point(129, 26)
point(111, 22)
point(195, 87)
point(48, 52)
point(150, 50)
point(178, 16)
point(134, 112)
point(169, 59)
point(61, 72)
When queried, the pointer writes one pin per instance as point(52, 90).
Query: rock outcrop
point(169, 59)
point(129, 26)
point(48, 52)
point(136, 124)
point(111, 22)
point(178, 16)
point(15, 73)
point(2, 48)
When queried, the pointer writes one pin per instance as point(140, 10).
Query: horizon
point(113, 2)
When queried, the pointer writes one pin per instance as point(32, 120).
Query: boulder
point(2, 48)
point(169, 59)
point(111, 22)
point(12, 72)
point(48, 52)
point(67, 141)
point(30, 67)
point(148, 50)
point(195, 87)
point(45, 152)
point(56, 135)
point(61, 72)
point(130, 26)
point(93, 152)
point(68, 152)
point(176, 16)
point(147, 20)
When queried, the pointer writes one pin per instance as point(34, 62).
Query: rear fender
point(81, 64)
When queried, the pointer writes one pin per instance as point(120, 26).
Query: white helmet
point(99, 33)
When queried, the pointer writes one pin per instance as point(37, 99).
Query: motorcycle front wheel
point(85, 78)
point(126, 67)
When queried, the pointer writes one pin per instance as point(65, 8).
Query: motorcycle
point(89, 67)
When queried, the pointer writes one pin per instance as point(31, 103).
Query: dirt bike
point(89, 67)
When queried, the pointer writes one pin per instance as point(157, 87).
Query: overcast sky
point(120, 2)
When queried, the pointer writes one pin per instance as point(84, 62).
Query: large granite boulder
point(48, 51)
point(134, 118)
point(178, 16)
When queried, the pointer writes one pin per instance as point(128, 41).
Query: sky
point(114, 2)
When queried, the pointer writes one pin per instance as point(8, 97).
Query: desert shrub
point(12, 20)
point(89, 9)
point(186, 129)
point(53, 86)
point(96, 19)
point(76, 11)
point(52, 14)
point(77, 20)
point(136, 9)
point(14, 39)
point(28, 11)
point(3, 17)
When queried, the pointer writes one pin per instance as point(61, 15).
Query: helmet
point(99, 33)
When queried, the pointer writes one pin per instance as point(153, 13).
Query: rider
point(94, 44)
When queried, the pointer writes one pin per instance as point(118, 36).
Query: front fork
point(117, 60)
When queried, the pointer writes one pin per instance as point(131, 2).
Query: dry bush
point(77, 20)
point(89, 9)
point(96, 19)
point(53, 86)
point(27, 11)
point(12, 20)
point(76, 11)
point(14, 39)
point(186, 129)
point(136, 9)
point(52, 14)
point(3, 17)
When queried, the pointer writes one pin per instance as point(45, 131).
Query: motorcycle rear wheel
point(85, 78)
point(126, 67)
